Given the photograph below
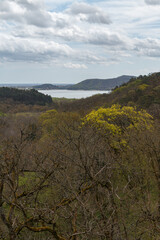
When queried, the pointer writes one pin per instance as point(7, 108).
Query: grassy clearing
point(58, 100)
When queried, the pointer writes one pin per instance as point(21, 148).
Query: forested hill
point(46, 87)
point(101, 84)
point(142, 92)
point(31, 96)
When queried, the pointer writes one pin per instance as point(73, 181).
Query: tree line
point(32, 96)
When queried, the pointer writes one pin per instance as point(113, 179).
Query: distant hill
point(89, 84)
point(31, 96)
point(48, 86)
point(101, 84)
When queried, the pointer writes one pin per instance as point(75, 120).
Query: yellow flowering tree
point(118, 122)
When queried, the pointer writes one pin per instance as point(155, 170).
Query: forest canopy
point(31, 96)
point(73, 175)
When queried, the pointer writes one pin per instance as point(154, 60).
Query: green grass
point(63, 99)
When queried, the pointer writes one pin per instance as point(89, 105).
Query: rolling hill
point(48, 86)
point(101, 84)
point(89, 84)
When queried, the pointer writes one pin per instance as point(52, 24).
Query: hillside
point(24, 96)
point(46, 87)
point(142, 92)
point(101, 84)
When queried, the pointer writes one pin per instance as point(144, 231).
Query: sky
point(66, 41)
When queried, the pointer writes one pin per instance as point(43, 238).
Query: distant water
point(71, 93)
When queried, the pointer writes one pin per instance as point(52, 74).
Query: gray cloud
point(105, 39)
point(39, 19)
point(25, 12)
point(99, 37)
point(89, 13)
point(30, 4)
point(41, 51)
point(147, 47)
point(153, 2)
point(29, 50)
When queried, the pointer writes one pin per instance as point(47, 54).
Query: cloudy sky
point(66, 41)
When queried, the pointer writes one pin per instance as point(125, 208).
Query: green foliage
point(119, 89)
point(136, 81)
point(65, 100)
point(56, 124)
point(48, 121)
point(142, 91)
point(31, 96)
point(142, 87)
point(50, 114)
point(157, 89)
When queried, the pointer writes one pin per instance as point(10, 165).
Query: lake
point(71, 93)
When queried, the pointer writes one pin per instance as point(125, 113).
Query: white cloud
point(75, 66)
